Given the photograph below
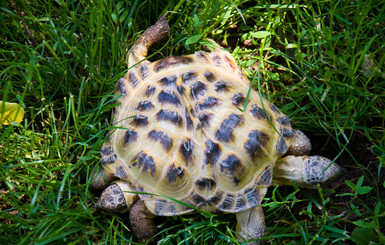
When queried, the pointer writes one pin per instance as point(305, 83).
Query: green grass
point(321, 62)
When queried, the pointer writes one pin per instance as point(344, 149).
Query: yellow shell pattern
point(181, 134)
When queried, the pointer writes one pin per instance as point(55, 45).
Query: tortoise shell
point(182, 134)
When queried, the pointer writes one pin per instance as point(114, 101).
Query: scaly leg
point(154, 34)
point(301, 144)
point(251, 224)
point(142, 222)
point(117, 197)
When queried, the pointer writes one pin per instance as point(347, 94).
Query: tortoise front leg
point(251, 224)
point(117, 197)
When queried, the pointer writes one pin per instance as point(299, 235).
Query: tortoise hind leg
point(251, 224)
point(154, 34)
point(142, 222)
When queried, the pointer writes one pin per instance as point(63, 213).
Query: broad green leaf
point(377, 212)
point(360, 181)
point(273, 76)
point(197, 23)
point(363, 236)
point(119, 5)
point(261, 34)
point(123, 16)
point(193, 39)
point(355, 209)
point(364, 190)
point(350, 184)
point(114, 18)
point(291, 45)
point(364, 224)
point(10, 112)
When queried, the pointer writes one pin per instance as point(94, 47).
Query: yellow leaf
point(10, 112)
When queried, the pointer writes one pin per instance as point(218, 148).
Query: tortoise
point(180, 135)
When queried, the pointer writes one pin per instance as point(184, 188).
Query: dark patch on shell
point(121, 87)
point(159, 206)
point(257, 140)
point(169, 81)
point(230, 164)
point(266, 177)
point(108, 160)
point(236, 180)
point(192, 112)
point(163, 138)
point(237, 99)
point(215, 199)
point(186, 149)
point(207, 103)
point(106, 150)
point(228, 203)
point(171, 116)
point(287, 133)
point(281, 146)
point(145, 105)
point(172, 61)
point(209, 76)
point(225, 131)
point(171, 209)
point(130, 136)
point(283, 120)
point(252, 197)
point(168, 96)
point(140, 121)
point(202, 55)
point(180, 89)
point(198, 199)
point(221, 86)
point(204, 119)
point(149, 91)
point(133, 79)
point(257, 112)
point(189, 122)
point(274, 108)
point(212, 152)
point(217, 60)
point(197, 89)
point(188, 76)
point(142, 160)
point(240, 204)
point(144, 71)
point(204, 183)
point(174, 172)
point(121, 172)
